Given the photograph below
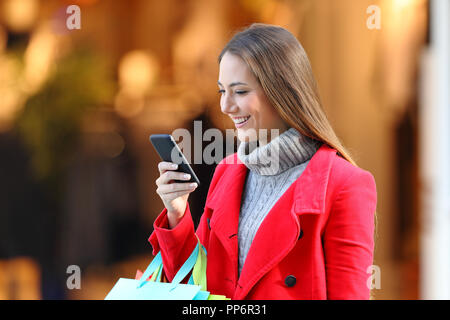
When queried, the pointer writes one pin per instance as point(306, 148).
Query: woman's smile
point(241, 121)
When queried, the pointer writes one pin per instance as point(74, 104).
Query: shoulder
point(343, 173)
point(327, 168)
point(349, 183)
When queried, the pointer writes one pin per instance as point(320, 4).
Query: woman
point(302, 229)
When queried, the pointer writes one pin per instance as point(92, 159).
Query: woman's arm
point(176, 244)
point(349, 238)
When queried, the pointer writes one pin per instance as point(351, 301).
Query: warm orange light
point(128, 106)
point(19, 15)
point(11, 99)
point(399, 5)
point(137, 72)
point(3, 39)
point(39, 56)
point(83, 3)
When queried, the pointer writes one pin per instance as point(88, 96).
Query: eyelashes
point(240, 92)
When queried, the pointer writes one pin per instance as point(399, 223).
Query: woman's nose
point(227, 104)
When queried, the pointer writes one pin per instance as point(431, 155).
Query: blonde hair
point(281, 65)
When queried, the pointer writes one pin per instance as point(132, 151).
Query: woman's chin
point(247, 135)
point(247, 138)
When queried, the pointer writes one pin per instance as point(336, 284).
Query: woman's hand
point(173, 194)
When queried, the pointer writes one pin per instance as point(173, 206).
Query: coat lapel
point(279, 231)
point(226, 203)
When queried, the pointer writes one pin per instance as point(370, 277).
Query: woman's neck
point(283, 152)
point(262, 141)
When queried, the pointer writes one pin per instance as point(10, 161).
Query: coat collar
point(280, 229)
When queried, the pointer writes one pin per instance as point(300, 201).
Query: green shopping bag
point(154, 289)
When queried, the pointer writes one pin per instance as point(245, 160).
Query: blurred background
point(77, 106)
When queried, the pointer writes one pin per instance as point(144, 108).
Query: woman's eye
point(237, 91)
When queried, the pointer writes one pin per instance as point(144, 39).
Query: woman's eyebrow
point(234, 83)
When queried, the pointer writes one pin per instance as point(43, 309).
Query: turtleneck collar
point(283, 152)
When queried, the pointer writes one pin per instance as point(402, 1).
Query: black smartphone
point(169, 151)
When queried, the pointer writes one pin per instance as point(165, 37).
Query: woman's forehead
point(234, 70)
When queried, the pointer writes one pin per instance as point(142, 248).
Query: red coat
point(316, 243)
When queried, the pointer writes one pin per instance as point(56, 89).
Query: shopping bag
point(154, 289)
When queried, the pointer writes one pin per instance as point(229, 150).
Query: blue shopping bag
point(154, 289)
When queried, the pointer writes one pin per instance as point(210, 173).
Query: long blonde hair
point(281, 65)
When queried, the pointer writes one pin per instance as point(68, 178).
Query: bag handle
point(156, 262)
point(198, 275)
point(156, 276)
point(186, 267)
point(181, 274)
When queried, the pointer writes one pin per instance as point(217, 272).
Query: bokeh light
point(19, 15)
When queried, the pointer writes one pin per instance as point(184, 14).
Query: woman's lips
point(239, 125)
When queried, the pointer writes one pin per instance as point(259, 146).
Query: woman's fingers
point(168, 176)
point(174, 195)
point(166, 189)
point(165, 166)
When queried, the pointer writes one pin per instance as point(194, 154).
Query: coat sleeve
point(178, 243)
point(349, 238)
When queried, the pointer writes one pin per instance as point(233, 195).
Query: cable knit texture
point(273, 168)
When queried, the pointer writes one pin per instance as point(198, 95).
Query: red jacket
point(316, 242)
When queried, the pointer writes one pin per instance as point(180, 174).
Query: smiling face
point(244, 101)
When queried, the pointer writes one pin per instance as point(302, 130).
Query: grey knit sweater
point(272, 169)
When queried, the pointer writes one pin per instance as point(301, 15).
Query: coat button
point(301, 234)
point(290, 281)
